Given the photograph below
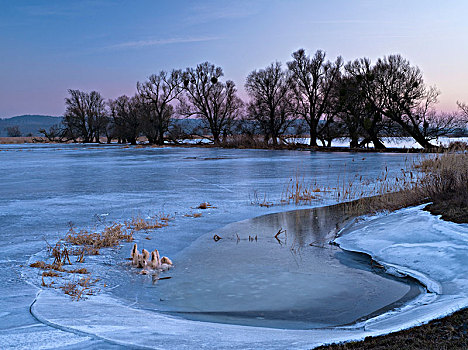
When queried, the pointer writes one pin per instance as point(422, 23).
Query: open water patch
point(277, 270)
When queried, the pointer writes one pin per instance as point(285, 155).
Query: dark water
point(294, 280)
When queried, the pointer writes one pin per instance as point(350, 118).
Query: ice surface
point(283, 282)
point(124, 323)
point(44, 187)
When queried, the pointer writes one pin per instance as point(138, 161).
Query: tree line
point(310, 95)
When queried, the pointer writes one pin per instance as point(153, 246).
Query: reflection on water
point(277, 270)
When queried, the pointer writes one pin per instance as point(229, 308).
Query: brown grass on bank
point(457, 146)
point(442, 180)
point(446, 184)
point(18, 140)
point(441, 334)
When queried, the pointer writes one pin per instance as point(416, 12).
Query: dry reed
point(109, 237)
point(299, 191)
point(140, 224)
point(262, 202)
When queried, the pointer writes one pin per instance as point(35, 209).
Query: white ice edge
point(110, 319)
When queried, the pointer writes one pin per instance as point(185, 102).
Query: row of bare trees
point(327, 100)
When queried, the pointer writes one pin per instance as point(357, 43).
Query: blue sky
point(50, 46)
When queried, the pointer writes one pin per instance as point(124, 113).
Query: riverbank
point(291, 147)
point(394, 145)
point(449, 196)
point(446, 333)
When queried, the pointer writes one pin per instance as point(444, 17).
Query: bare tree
point(359, 116)
point(56, 133)
point(127, 117)
point(159, 91)
point(438, 124)
point(463, 108)
point(349, 107)
point(396, 90)
point(206, 97)
point(313, 79)
point(13, 131)
point(85, 115)
point(271, 103)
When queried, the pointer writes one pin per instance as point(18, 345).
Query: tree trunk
point(160, 140)
point(216, 138)
point(377, 143)
point(354, 142)
point(313, 134)
point(421, 140)
point(275, 140)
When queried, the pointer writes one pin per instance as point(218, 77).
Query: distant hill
point(32, 123)
point(29, 124)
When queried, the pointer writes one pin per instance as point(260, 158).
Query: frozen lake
point(44, 187)
point(297, 280)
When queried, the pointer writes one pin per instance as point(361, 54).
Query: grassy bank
point(235, 143)
point(447, 333)
point(444, 182)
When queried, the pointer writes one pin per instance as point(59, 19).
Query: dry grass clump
point(84, 242)
point(243, 141)
point(50, 274)
point(442, 180)
point(16, 140)
point(193, 215)
point(446, 175)
point(256, 199)
point(299, 191)
point(109, 237)
point(44, 266)
point(205, 205)
point(357, 187)
point(80, 271)
point(165, 217)
point(78, 289)
point(38, 264)
point(139, 224)
point(60, 254)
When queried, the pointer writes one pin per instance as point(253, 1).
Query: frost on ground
point(409, 241)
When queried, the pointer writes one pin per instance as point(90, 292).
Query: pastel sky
point(50, 46)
